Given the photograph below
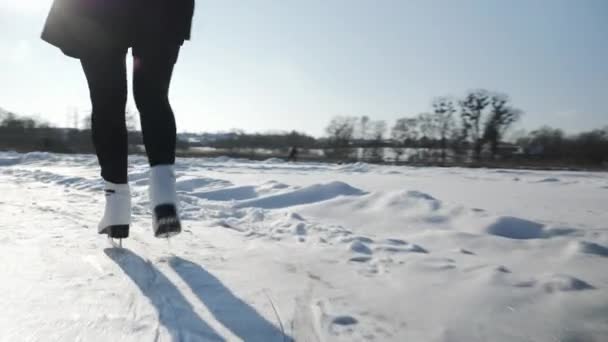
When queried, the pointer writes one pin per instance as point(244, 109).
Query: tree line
point(454, 127)
point(455, 131)
point(553, 145)
point(468, 130)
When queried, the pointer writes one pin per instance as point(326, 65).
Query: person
point(99, 34)
point(293, 154)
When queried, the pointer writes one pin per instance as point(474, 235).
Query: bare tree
point(363, 127)
point(549, 144)
point(398, 134)
point(427, 126)
point(501, 118)
point(545, 142)
point(591, 146)
point(428, 129)
point(16, 123)
point(377, 132)
point(404, 132)
point(444, 111)
point(341, 130)
point(340, 133)
point(472, 111)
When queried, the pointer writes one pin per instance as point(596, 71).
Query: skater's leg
point(152, 71)
point(107, 79)
point(153, 68)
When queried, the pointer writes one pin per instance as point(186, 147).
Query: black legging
point(107, 78)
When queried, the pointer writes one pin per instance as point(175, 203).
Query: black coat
point(79, 27)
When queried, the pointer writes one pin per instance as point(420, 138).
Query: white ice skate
point(163, 202)
point(117, 215)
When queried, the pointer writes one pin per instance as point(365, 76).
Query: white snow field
point(275, 251)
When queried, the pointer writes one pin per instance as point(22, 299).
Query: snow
point(275, 251)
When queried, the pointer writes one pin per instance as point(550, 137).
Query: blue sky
point(293, 64)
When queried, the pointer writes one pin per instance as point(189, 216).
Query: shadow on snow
point(178, 315)
point(236, 315)
point(174, 311)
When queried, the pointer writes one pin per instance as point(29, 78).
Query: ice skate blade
point(115, 243)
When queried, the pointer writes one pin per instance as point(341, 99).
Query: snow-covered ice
point(275, 251)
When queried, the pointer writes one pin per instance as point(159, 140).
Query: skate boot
point(117, 214)
point(163, 202)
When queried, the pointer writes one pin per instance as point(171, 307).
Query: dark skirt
point(81, 27)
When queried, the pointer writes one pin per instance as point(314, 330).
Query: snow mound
point(400, 201)
point(258, 223)
point(592, 248)
point(434, 203)
point(190, 184)
point(272, 185)
point(38, 157)
point(228, 194)
point(273, 161)
point(558, 231)
point(356, 168)
point(549, 180)
point(311, 194)
point(9, 161)
point(76, 182)
point(220, 159)
point(563, 283)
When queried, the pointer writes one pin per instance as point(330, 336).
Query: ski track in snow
point(275, 251)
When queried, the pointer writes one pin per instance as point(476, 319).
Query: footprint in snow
point(360, 259)
point(409, 248)
point(395, 242)
point(344, 320)
point(357, 238)
point(400, 246)
point(466, 251)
